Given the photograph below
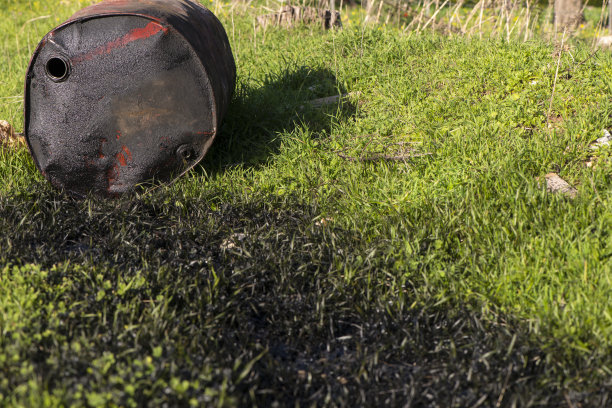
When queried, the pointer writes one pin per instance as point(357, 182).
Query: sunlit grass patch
point(393, 247)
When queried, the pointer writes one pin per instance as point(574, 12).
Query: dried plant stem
point(470, 16)
point(475, 27)
point(379, 157)
point(555, 81)
point(605, 3)
point(412, 22)
point(379, 10)
point(434, 14)
point(591, 55)
point(455, 15)
point(480, 19)
point(369, 10)
point(498, 21)
point(515, 24)
point(527, 18)
point(425, 7)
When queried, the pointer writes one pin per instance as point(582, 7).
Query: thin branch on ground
point(591, 55)
point(555, 81)
point(383, 157)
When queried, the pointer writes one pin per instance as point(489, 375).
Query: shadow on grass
point(245, 305)
point(257, 115)
point(153, 303)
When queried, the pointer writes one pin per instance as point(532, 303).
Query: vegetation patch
point(393, 248)
point(133, 305)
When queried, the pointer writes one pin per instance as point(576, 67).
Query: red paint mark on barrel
point(121, 159)
point(127, 151)
point(118, 134)
point(133, 35)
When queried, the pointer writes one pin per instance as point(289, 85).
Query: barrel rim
point(70, 21)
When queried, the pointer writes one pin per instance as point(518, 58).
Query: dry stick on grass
point(527, 18)
point(506, 381)
point(385, 146)
point(383, 157)
point(515, 24)
point(503, 19)
point(369, 10)
point(509, 15)
point(533, 24)
point(379, 9)
point(591, 55)
point(555, 81)
point(412, 22)
point(434, 15)
point(387, 153)
point(475, 27)
point(470, 16)
point(254, 34)
point(498, 17)
point(453, 15)
point(584, 6)
point(606, 3)
point(568, 400)
point(426, 6)
point(365, 147)
point(450, 12)
point(480, 20)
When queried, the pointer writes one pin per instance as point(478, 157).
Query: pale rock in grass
point(556, 184)
point(605, 41)
point(329, 100)
point(323, 222)
point(8, 137)
point(6, 130)
point(233, 241)
point(605, 140)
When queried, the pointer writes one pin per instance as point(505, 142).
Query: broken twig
point(383, 157)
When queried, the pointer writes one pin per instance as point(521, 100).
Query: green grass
point(280, 270)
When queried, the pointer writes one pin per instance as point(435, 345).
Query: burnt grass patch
point(148, 302)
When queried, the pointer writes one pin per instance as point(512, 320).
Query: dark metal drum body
point(127, 92)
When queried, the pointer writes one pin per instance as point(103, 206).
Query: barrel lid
point(117, 101)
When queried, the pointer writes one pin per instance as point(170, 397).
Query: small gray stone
point(605, 41)
point(604, 140)
point(556, 184)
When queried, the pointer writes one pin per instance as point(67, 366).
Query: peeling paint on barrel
point(116, 91)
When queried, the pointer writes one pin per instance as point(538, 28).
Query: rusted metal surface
point(126, 93)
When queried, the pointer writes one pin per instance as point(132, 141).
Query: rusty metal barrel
point(127, 93)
